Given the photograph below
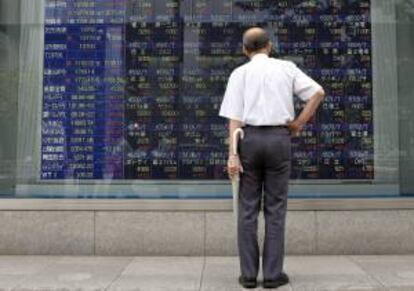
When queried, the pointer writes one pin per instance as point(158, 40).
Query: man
point(259, 98)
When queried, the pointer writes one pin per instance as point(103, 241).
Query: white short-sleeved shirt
point(261, 91)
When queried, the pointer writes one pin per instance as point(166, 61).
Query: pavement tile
point(328, 273)
point(161, 274)
point(15, 269)
point(77, 273)
point(315, 273)
point(394, 272)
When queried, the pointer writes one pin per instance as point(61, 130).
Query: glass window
point(120, 98)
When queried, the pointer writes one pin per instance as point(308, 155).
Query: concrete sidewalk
point(198, 273)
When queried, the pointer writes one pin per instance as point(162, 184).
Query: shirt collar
point(259, 56)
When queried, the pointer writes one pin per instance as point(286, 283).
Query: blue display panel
point(132, 88)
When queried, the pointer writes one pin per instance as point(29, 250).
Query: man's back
point(261, 91)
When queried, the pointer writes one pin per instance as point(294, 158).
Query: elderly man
point(259, 98)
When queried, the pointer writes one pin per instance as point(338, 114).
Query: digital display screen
point(132, 88)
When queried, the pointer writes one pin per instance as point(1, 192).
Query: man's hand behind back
point(295, 127)
point(308, 111)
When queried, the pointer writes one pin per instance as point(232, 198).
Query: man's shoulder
point(239, 70)
point(285, 64)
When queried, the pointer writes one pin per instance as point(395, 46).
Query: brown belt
point(265, 126)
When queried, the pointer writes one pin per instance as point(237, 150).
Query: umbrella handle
point(236, 134)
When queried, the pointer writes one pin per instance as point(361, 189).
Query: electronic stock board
point(132, 88)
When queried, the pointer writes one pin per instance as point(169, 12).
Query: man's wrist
point(300, 121)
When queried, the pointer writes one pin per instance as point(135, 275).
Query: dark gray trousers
point(265, 154)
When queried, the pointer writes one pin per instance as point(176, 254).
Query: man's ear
point(270, 47)
point(245, 52)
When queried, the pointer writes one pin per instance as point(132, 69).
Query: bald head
point(255, 39)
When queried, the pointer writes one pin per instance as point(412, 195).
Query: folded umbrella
point(235, 181)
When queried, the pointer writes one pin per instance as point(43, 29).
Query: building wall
point(405, 44)
point(9, 81)
point(198, 233)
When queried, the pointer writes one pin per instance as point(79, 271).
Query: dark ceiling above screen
point(132, 88)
